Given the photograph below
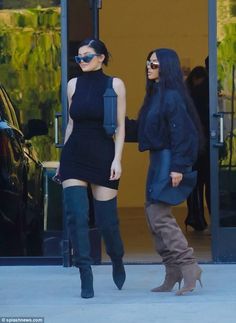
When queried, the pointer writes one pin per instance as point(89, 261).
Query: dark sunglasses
point(86, 59)
point(153, 65)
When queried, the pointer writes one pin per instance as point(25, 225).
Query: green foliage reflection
point(226, 31)
point(30, 69)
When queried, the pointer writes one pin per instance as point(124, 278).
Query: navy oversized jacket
point(168, 126)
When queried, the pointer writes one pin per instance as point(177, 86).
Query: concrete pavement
point(53, 292)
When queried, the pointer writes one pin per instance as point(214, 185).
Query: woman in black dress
point(90, 156)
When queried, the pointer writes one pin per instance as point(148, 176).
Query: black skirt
point(87, 156)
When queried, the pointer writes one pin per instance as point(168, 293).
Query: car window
point(10, 109)
point(4, 111)
point(5, 159)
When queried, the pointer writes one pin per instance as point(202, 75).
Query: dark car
point(21, 176)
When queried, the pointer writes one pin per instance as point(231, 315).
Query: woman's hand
point(115, 170)
point(176, 178)
point(58, 170)
point(56, 178)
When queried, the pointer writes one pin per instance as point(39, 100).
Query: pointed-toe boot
point(86, 277)
point(118, 273)
point(173, 276)
point(191, 274)
point(108, 222)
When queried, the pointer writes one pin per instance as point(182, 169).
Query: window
point(4, 111)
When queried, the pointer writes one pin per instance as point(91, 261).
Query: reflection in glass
point(30, 69)
point(226, 36)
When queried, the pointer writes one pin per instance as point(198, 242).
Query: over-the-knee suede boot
point(191, 273)
point(107, 221)
point(76, 210)
point(172, 246)
point(173, 275)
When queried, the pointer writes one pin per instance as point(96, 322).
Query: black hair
point(99, 47)
point(170, 75)
point(207, 63)
point(198, 72)
point(171, 78)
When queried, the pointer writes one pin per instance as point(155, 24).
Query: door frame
point(223, 238)
point(212, 45)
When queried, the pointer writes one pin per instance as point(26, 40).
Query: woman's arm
point(183, 137)
point(182, 132)
point(70, 91)
point(119, 88)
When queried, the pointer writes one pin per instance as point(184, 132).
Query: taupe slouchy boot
point(173, 276)
point(170, 243)
point(191, 273)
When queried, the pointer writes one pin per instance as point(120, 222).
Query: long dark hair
point(198, 72)
point(98, 46)
point(171, 78)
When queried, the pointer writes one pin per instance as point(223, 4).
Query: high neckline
point(92, 74)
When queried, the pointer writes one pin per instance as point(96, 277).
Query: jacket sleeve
point(131, 130)
point(183, 135)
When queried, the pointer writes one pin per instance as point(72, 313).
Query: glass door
point(38, 40)
point(223, 128)
point(30, 73)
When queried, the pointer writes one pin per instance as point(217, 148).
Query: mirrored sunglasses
point(153, 65)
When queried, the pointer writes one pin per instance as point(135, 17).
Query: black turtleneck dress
point(88, 152)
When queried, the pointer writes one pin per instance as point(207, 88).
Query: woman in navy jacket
point(168, 128)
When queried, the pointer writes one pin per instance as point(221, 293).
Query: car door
point(32, 187)
point(12, 183)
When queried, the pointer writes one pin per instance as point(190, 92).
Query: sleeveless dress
point(88, 152)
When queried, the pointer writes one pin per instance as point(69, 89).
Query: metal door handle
point(56, 128)
point(220, 115)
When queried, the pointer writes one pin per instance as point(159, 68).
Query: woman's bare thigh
point(73, 182)
point(102, 193)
